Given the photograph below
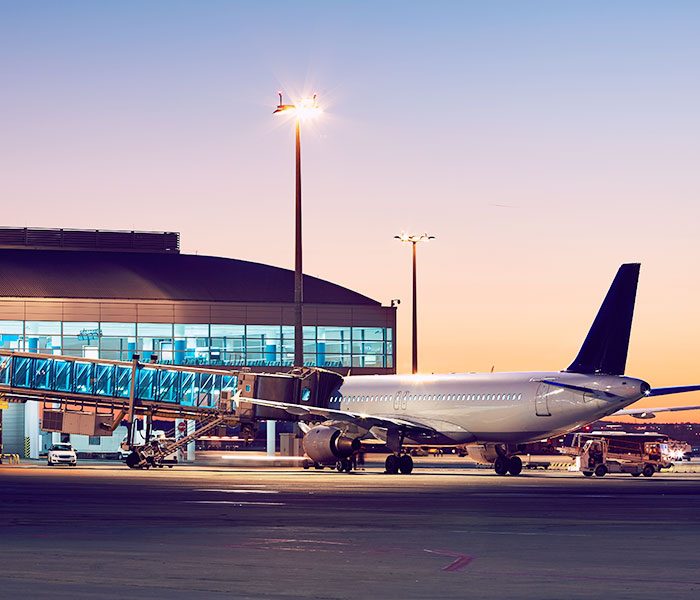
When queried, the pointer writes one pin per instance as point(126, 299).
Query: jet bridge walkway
point(128, 389)
point(162, 390)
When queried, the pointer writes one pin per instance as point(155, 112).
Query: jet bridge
point(161, 390)
point(73, 387)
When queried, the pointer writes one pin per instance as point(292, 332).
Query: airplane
point(491, 412)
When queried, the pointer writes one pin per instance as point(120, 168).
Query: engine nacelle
point(484, 454)
point(325, 445)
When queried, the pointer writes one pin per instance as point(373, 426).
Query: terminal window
point(202, 344)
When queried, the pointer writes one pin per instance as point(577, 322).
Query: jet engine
point(483, 454)
point(327, 445)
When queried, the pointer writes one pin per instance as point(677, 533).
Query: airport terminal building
point(113, 294)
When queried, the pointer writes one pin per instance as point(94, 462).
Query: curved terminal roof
point(157, 276)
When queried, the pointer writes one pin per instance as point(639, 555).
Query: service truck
point(634, 454)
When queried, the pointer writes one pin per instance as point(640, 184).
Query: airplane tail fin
point(605, 347)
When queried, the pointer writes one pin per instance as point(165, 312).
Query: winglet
point(605, 347)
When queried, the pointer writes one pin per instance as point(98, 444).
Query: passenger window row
point(430, 397)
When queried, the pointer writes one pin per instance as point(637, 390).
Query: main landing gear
point(398, 464)
point(398, 461)
point(505, 464)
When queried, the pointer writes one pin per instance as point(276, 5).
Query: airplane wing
point(361, 419)
point(650, 413)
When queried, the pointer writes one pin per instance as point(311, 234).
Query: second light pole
point(304, 109)
point(413, 240)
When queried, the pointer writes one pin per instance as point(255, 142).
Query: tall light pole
point(306, 108)
point(413, 240)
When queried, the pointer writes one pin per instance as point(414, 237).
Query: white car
point(62, 454)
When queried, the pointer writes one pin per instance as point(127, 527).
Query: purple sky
point(543, 143)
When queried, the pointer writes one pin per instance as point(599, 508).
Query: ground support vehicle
point(600, 456)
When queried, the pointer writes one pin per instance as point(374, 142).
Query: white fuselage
point(488, 407)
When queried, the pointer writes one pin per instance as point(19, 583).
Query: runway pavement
point(103, 531)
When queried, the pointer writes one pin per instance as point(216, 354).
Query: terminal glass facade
point(203, 344)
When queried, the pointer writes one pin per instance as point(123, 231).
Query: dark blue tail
point(605, 348)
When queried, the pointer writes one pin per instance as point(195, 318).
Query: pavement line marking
point(235, 502)
point(548, 533)
point(296, 541)
point(251, 485)
point(237, 491)
point(460, 562)
point(550, 496)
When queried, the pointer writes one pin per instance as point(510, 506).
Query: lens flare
point(303, 109)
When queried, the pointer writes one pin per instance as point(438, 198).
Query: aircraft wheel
point(515, 465)
point(648, 470)
point(345, 465)
point(637, 474)
point(132, 460)
point(405, 464)
point(587, 473)
point(601, 471)
point(392, 464)
point(501, 465)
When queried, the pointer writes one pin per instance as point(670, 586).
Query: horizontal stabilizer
point(580, 388)
point(678, 389)
point(605, 347)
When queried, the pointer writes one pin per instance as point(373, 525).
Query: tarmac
point(100, 530)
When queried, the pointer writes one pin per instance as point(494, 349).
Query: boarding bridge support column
point(271, 437)
point(191, 446)
point(32, 435)
point(132, 394)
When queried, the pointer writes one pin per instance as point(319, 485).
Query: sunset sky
point(543, 143)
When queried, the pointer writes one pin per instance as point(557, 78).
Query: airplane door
point(404, 400)
point(541, 400)
point(397, 400)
